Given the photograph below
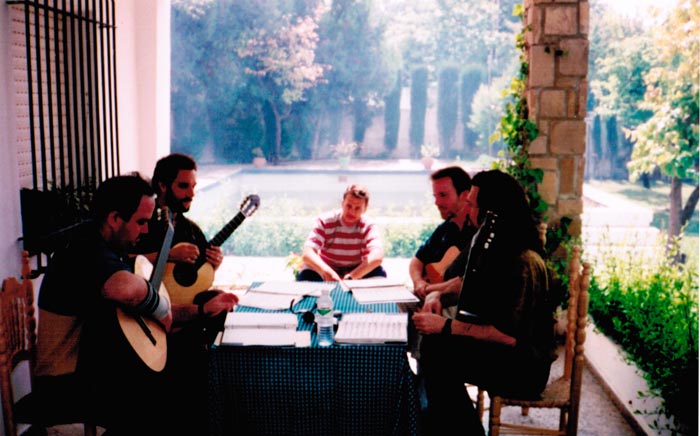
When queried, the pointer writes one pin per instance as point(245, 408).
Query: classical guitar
point(185, 280)
point(435, 272)
point(146, 336)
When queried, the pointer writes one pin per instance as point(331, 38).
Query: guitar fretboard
point(228, 229)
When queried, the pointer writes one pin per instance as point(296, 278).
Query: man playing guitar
point(440, 261)
point(84, 369)
point(196, 324)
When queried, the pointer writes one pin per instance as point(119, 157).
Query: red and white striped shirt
point(342, 246)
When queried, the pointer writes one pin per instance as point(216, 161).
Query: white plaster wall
point(143, 71)
point(10, 219)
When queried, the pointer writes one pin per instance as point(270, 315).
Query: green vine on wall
point(517, 131)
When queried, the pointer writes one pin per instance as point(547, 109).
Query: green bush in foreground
point(652, 312)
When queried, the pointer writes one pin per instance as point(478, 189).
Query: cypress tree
point(419, 104)
point(447, 106)
point(392, 115)
point(472, 77)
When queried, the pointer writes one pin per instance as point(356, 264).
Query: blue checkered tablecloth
point(348, 390)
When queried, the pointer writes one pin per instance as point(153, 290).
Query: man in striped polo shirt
point(343, 244)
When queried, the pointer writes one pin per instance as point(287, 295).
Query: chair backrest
point(578, 333)
point(17, 335)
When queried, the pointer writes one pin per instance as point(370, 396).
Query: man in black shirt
point(198, 317)
point(440, 258)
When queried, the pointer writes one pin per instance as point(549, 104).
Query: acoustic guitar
point(147, 336)
point(435, 272)
point(185, 280)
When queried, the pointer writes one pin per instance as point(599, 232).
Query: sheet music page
point(372, 328)
point(270, 337)
point(261, 320)
point(293, 288)
point(375, 282)
point(264, 300)
point(396, 294)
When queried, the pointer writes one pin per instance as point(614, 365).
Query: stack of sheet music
point(372, 328)
point(279, 295)
point(379, 290)
point(256, 328)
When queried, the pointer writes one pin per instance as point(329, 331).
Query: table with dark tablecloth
point(339, 390)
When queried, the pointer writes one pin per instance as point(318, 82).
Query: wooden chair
point(18, 341)
point(563, 393)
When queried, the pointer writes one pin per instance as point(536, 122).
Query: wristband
point(447, 328)
point(150, 301)
point(162, 310)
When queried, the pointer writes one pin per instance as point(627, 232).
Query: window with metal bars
point(64, 57)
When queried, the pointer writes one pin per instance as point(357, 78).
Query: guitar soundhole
point(185, 274)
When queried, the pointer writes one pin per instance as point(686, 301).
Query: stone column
point(557, 51)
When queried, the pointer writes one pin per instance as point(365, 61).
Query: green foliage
point(669, 140)
point(281, 237)
point(447, 105)
point(486, 111)
point(517, 131)
point(651, 310)
point(419, 106)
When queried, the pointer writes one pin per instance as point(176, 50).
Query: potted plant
point(344, 150)
point(259, 160)
point(429, 152)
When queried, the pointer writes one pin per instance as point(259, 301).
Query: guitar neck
point(228, 229)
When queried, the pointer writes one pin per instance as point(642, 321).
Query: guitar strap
point(472, 280)
point(162, 258)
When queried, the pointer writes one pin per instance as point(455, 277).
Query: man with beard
point(85, 370)
point(439, 263)
point(195, 324)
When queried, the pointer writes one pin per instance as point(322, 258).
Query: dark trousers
point(187, 372)
point(448, 362)
point(310, 275)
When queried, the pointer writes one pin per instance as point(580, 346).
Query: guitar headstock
point(250, 204)
point(487, 231)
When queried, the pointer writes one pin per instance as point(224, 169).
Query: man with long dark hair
point(502, 338)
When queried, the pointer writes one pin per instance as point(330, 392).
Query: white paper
point(259, 320)
point(372, 283)
point(395, 294)
point(270, 337)
point(372, 328)
point(293, 288)
point(264, 300)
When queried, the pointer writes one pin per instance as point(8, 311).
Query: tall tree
point(282, 58)
point(352, 43)
point(669, 139)
point(448, 104)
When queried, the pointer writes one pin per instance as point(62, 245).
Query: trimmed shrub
point(651, 310)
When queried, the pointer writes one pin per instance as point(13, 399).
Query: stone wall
point(557, 51)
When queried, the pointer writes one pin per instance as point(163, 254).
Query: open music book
point(372, 328)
